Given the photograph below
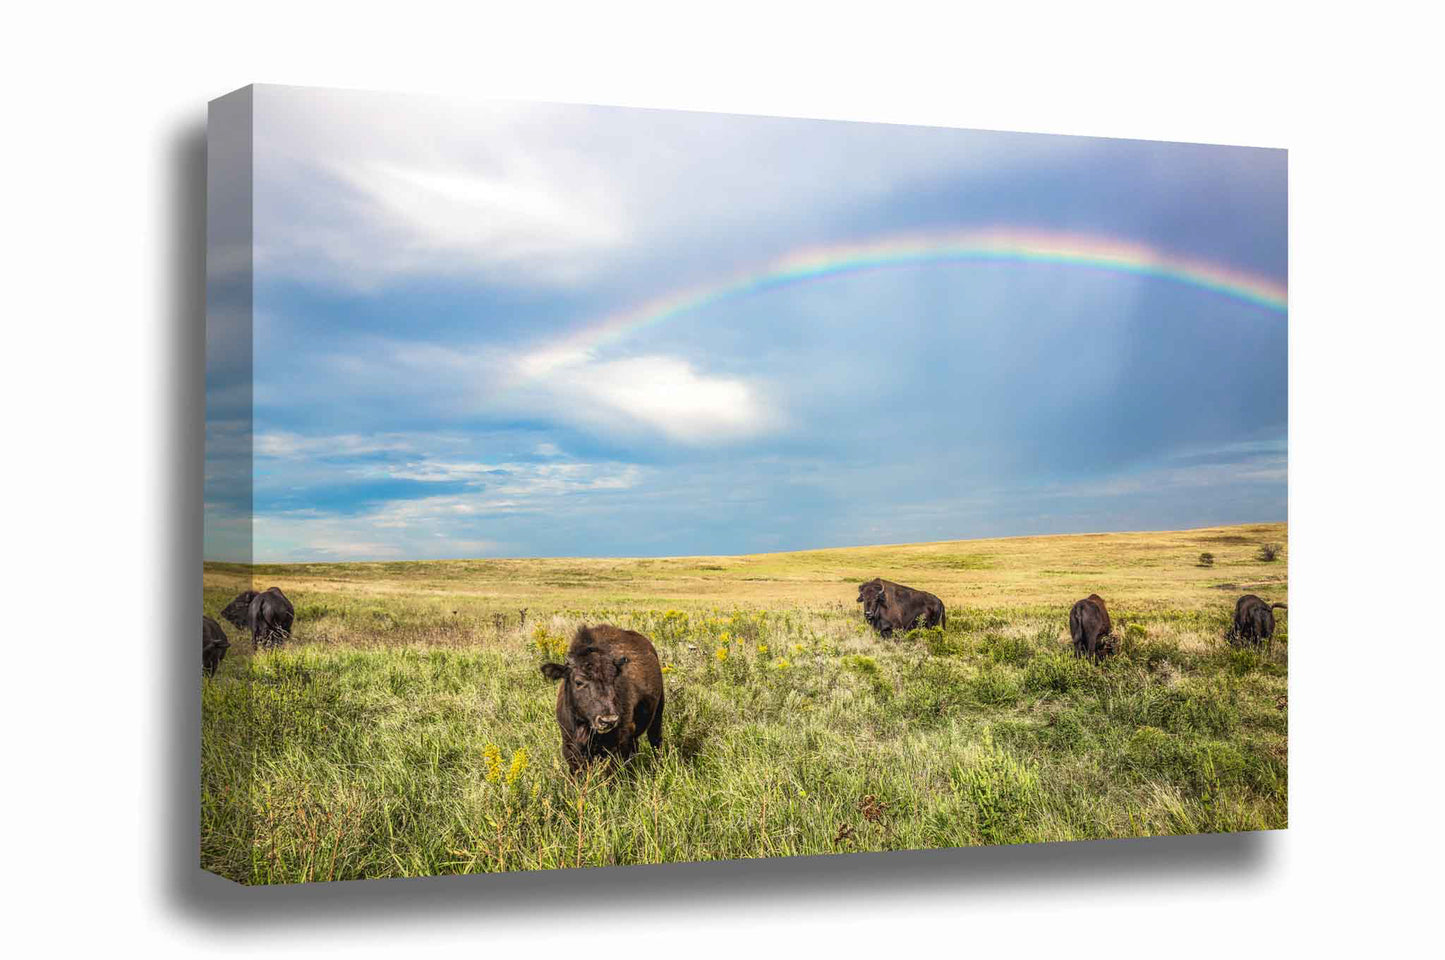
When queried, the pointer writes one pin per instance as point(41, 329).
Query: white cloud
point(290, 446)
point(507, 478)
point(506, 217)
point(669, 395)
point(358, 189)
point(361, 188)
point(613, 397)
point(433, 471)
point(452, 525)
point(665, 394)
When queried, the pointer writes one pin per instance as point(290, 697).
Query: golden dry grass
point(407, 731)
point(1143, 571)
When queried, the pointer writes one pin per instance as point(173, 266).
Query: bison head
point(874, 608)
point(589, 679)
point(236, 610)
point(868, 591)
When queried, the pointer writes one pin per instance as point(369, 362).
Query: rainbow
point(982, 246)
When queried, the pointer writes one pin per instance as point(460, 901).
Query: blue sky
point(414, 258)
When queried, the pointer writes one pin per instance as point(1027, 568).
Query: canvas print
point(590, 486)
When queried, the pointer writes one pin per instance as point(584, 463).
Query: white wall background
point(103, 118)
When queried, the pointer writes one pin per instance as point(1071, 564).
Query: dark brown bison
point(268, 615)
point(889, 606)
point(611, 691)
point(213, 645)
point(1254, 621)
point(1090, 627)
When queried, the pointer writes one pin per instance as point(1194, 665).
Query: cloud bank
point(424, 268)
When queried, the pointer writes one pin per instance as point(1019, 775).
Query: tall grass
point(411, 734)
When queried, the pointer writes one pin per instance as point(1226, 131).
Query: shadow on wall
point(941, 876)
point(178, 589)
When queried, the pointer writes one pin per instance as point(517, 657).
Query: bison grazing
point(1254, 620)
point(889, 606)
point(611, 691)
point(268, 615)
point(213, 645)
point(1090, 627)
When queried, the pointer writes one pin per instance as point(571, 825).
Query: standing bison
point(1090, 627)
point(611, 691)
point(268, 615)
point(889, 606)
point(1254, 620)
point(213, 645)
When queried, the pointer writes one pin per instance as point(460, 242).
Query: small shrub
point(1242, 662)
point(867, 667)
point(1268, 552)
point(1064, 732)
point(935, 693)
point(1206, 559)
point(1002, 649)
point(1151, 652)
point(1004, 793)
point(1208, 712)
point(1054, 673)
point(1151, 750)
point(994, 686)
point(941, 644)
point(858, 663)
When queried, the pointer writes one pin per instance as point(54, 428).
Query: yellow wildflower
point(519, 763)
point(493, 759)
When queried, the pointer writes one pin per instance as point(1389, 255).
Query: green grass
point(408, 731)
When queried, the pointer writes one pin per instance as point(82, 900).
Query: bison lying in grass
point(889, 606)
point(268, 615)
point(1090, 627)
point(1254, 621)
point(213, 645)
point(611, 691)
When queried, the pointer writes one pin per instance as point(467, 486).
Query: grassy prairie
point(407, 731)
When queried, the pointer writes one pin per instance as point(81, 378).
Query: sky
point(459, 328)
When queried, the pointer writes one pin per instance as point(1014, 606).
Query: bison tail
point(1278, 606)
point(942, 618)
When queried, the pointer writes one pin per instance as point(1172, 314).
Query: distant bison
point(213, 645)
point(889, 606)
point(1090, 627)
point(1254, 620)
point(268, 615)
point(611, 691)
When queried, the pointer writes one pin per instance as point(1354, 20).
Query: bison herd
point(610, 682)
point(268, 615)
